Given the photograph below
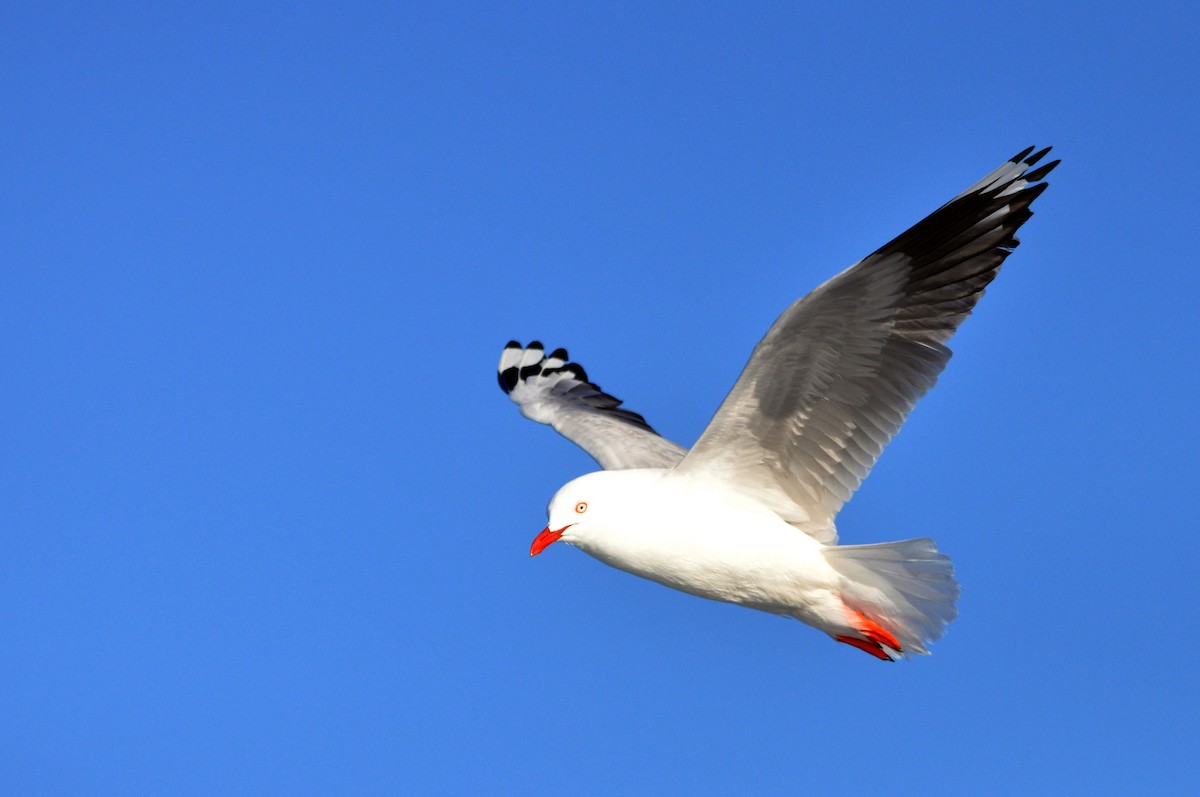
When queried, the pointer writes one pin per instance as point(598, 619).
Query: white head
point(583, 507)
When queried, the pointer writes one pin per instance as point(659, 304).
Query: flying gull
point(747, 514)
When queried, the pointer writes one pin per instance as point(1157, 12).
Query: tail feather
point(906, 587)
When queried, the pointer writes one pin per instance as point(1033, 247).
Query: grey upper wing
point(551, 390)
point(837, 374)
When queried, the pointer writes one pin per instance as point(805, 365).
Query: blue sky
point(266, 516)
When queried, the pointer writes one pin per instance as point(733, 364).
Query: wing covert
point(552, 390)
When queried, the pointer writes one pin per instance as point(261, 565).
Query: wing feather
point(837, 374)
point(554, 391)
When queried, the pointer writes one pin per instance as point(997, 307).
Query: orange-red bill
point(543, 540)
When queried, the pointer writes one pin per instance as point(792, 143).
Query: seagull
point(746, 516)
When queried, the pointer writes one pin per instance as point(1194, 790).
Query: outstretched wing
point(839, 371)
point(551, 390)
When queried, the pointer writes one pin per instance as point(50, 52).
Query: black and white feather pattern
point(552, 390)
point(837, 374)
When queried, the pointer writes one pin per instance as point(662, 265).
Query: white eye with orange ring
point(581, 507)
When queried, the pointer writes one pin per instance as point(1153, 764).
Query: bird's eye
point(581, 507)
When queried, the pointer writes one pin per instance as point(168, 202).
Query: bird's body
point(694, 534)
point(696, 537)
point(746, 516)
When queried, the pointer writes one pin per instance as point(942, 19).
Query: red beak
point(543, 540)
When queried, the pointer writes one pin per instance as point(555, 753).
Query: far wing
point(553, 391)
point(839, 371)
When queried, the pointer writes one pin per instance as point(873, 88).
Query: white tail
point(907, 587)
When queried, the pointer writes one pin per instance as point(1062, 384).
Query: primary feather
point(837, 374)
point(553, 390)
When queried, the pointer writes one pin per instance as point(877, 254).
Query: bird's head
point(582, 508)
point(571, 507)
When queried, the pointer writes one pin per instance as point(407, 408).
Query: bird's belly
point(768, 565)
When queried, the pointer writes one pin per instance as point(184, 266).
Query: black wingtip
point(508, 379)
point(1040, 172)
point(576, 370)
point(559, 354)
point(1037, 156)
point(1020, 156)
point(512, 344)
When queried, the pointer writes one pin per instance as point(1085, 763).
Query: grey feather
point(837, 374)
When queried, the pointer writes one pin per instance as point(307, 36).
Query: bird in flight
point(747, 514)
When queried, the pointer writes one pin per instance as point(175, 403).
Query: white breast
point(701, 539)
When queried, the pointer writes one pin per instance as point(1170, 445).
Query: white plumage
point(747, 515)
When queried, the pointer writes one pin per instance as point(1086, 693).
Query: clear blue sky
point(265, 516)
